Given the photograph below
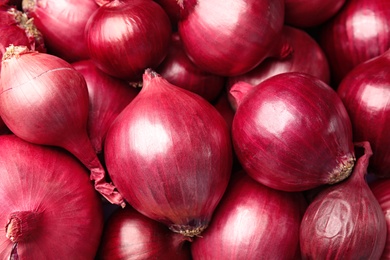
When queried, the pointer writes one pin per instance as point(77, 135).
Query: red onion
point(169, 153)
point(252, 222)
point(365, 92)
point(231, 37)
point(310, 13)
point(44, 100)
point(48, 209)
point(62, 23)
point(179, 70)
point(292, 132)
point(130, 235)
point(380, 189)
point(307, 57)
point(172, 9)
point(223, 106)
point(345, 221)
point(359, 32)
point(108, 96)
point(140, 39)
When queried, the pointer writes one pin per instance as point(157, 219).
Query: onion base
point(188, 230)
point(343, 170)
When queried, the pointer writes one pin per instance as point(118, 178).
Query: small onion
point(365, 92)
point(308, 57)
point(48, 207)
point(130, 235)
point(62, 23)
point(44, 100)
point(108, 96)
point(179, 70)
point(169, 152)
point(126, 37)
point(252, 222)
point(231, 37)
point(292, 132)
point(358, 32)
point(345, 221)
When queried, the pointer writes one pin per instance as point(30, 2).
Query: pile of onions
point(49, 209)
point(44, 100)
point(292, 132)
point(179, 70)
point(365, 92)
point(359, 32)
point(140, 39)
point(169, 153)
point(108, 96)
point(231, 37)
point(345, 221)
point(310, 13)
point(62, 23)
point(130, 235)
point(253, 222)
point(307, 57)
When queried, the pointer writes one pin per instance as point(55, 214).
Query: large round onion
point(365, 92)
point(126, 37)
point(170, 153)
point(48, 207)
point(359, 32)
point(252, 222)
point(345, 221)
point(231, 37)
point(292, 132)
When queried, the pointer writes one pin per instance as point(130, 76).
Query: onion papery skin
point(310, 13)
point(140, 40)
point(49, 192)
point(230, 37)
point(380, 189)
point(365, 92)
point(307, 57)
point(357, 33)
point(108, 96)
point(44, 100)
point(62, 23)
point(180, 71)
point(130, 235)
point(345, 221)
point(252, 221)
point(292, 132)
point(170, 154)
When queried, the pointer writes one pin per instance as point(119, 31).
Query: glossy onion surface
point(292, 132)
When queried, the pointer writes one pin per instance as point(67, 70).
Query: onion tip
point(15, 51)
point(187, 230)
point(343, 171)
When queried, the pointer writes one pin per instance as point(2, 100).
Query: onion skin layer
point(252, 221)
point(345, 221)
point(292, 132)
point(365, 92)
point(50, 195)
point(130, 235)
point(170, 153)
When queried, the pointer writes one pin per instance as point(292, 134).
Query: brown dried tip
point(343, 171)
point(15, 51)
point(188, 231)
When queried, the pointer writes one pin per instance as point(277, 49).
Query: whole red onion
point(231, 37)
point(169, 153)
point(140, 39)
point(179, 70)
point(252, 222)
point(310, 13)
point(108, 96)
point(44, 100)
point(345, 221)
point(380, 189)
point(365, 92)
point(292, 132)
point(359, 32)
point(49, 209)
point(308, 57)
point(130, 235)
point(62, 23)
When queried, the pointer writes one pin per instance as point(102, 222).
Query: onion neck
point(22, 225)
point(238, 91)
point(283, 47)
